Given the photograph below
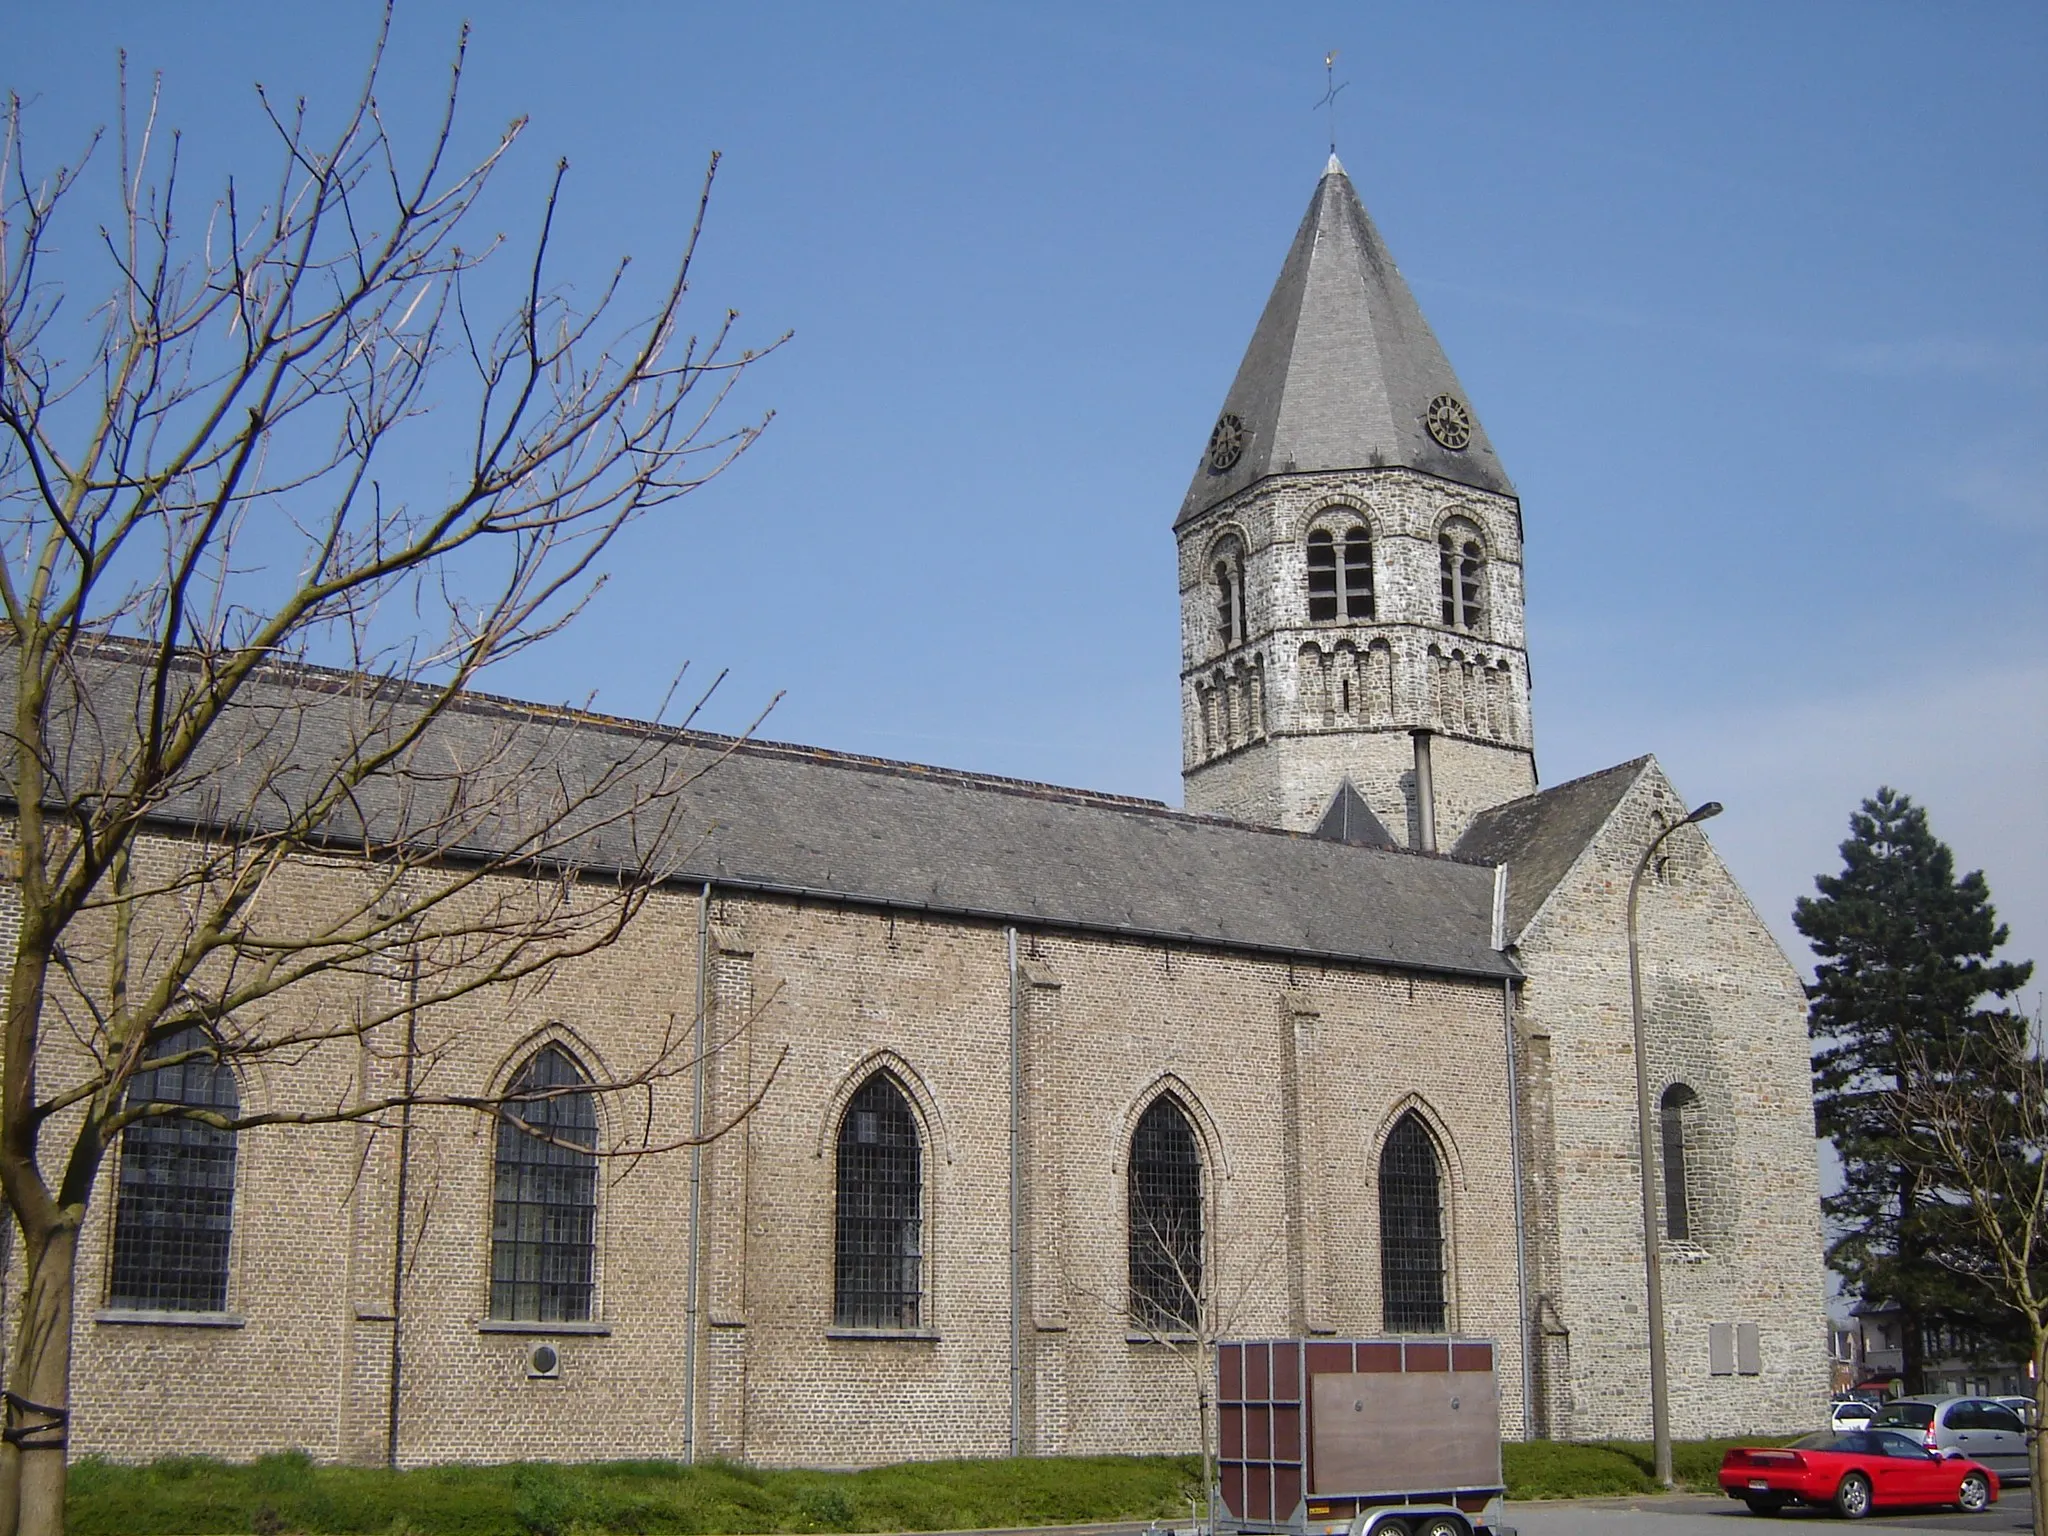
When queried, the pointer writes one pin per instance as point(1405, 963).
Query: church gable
point(1734, 1182)
point(1541, 837)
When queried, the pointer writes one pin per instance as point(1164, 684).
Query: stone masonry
point(1271, 724)
point(1726, 1017)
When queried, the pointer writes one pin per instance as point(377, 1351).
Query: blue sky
point(1753, 300)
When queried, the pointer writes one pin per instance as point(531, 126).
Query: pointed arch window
point(1411, 1230)
point(1673, 1114)
point(878, 1258)
point(175, 1195)
point(1461, 562)
point(1227, 574)
point(544, 1194)
point(1164, 1198)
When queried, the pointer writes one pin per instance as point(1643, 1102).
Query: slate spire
point(1342, 371)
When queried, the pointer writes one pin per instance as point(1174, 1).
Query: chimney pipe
point(1425, 796)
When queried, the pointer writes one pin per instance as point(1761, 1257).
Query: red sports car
point(1856, 1473)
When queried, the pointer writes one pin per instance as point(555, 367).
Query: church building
point(1050, 1085)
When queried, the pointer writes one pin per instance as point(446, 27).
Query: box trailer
point(1360, 1437)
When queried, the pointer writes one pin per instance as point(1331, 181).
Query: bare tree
point(1981, 1120)
point(1183, 1297)
point(205, 416)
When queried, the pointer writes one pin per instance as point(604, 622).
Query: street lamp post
point(1660, 1399)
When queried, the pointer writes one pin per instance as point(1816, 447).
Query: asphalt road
point(1692, 1515)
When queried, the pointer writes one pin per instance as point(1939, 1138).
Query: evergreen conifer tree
point(1905, 952)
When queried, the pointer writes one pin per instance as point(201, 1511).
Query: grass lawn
point(195, 1496)
point(1555, 1469)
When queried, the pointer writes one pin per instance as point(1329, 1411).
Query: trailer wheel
point(1443, 1525)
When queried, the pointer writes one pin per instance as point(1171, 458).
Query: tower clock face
point(1449, 422)
point(1226, 443)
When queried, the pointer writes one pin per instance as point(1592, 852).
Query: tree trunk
point(1203, 1405)
point(2037, 1452)
point(1912, 1351)
point(32, 1458)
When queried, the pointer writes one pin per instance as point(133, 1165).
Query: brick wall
point(1292, 1074)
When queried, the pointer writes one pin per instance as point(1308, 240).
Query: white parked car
point(1853, 1414)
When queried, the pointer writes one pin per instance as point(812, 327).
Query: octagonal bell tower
point(1351, 567)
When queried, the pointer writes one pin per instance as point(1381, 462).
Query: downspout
point(1507, 1009)
point(1507, 1015)
point(1016, 1205)
point(1425, 795)
point(412, 1012)
point(690, 1305)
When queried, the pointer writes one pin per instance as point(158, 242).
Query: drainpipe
point(1425, 795)
point(1016, 1205)
point(412, 1009)
point(1528, 1329)
point(693, 1281)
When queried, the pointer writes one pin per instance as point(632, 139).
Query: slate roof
point(1540, 836)
point(804, 822)
point(1342, 367)
point(1350, 820)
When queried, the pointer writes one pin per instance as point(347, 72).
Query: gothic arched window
point(174, 1199)
point(878, 1245)
point(544, 1194)
point(1411, 1230)
point(1227, 572)
point(1461, 562)
point(1672, 1116)
point(1164, 1199)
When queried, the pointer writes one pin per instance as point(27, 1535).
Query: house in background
point(1952, 1363)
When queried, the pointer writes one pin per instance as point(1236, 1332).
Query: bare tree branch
point(203, 412)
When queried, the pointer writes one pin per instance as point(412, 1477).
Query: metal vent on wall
point(544, 1362)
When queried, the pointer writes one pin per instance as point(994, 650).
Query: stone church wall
point(1272, 724)
point(1293, 1075)
point(1727, 1018)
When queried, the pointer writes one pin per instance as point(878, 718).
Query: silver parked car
point(1977, 1427)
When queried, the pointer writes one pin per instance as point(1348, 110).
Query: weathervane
point(1330, 95)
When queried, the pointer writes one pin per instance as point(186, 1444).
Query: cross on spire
point(1330, 96)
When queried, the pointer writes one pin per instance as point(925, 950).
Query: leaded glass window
point(1411, 1230)
point(1165, 1203)
point(544, 1195)
point(175, 1195)
point(878, 1244)
point(1672, 1115)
